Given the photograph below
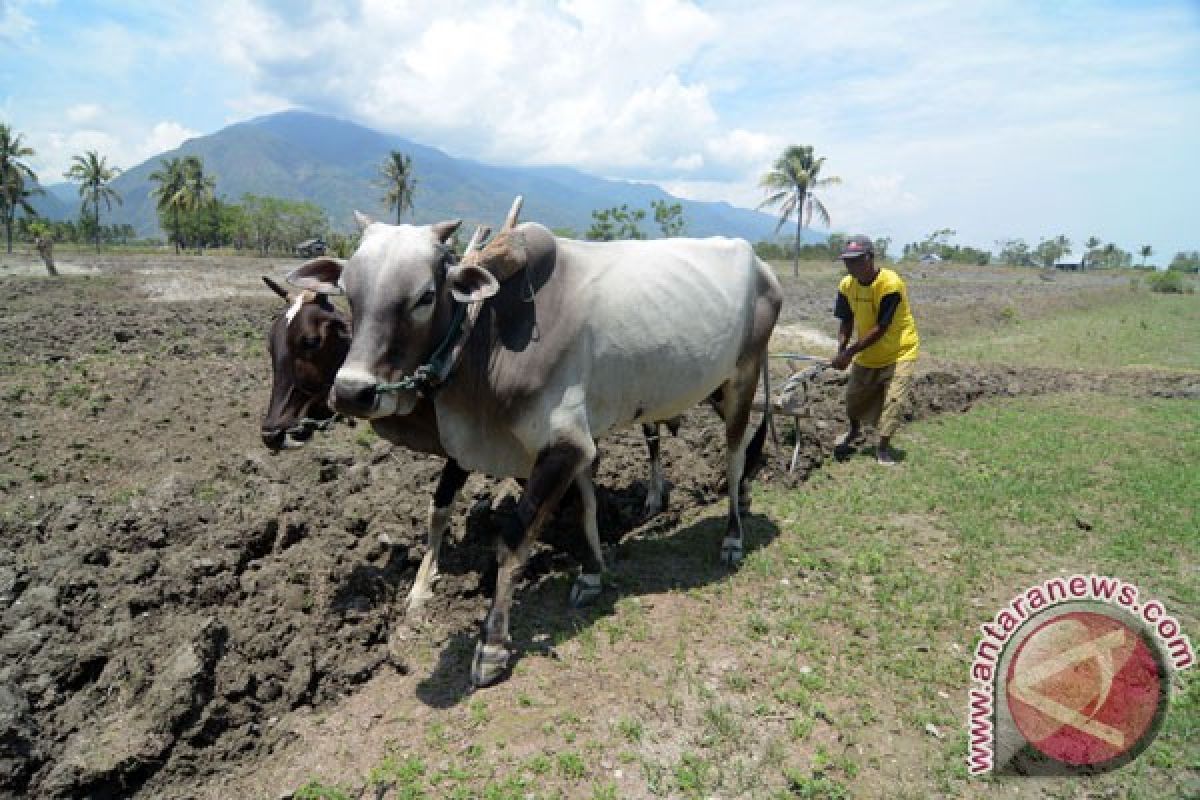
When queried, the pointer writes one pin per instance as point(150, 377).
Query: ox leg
point(654, 490)
point(450, 482)
point(553, 472)
point(737, 397)
point(590, 582)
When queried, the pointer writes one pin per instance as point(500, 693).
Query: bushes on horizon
point(1166, 282)
point(1186, 262)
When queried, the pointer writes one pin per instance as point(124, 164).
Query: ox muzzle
point(360, 394)
point(294, 434)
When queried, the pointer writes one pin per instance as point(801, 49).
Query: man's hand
point(841, 360)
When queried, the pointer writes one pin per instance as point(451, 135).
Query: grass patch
point(316, 790)
point(1102, 330)
point(912, 560)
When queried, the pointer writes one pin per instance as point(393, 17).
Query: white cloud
point(58, 148)
point(712, 191)
point(590, 83)
point(122, 145)
point(997, 118)
point(878, 204)
point(254, 105)
point(17, 27)
point(83, 113)
point(163, 136)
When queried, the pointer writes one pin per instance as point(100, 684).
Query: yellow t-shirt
point(900, 342)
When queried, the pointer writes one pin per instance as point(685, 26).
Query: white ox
point(534, 346)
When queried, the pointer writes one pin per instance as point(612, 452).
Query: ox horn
point(277, 289)
point(362, 221)
point(510, 221)
point(477, 238)
point(481, 233)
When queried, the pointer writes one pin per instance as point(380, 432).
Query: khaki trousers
point(880, 396)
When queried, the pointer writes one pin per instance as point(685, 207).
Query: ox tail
point(754, 450)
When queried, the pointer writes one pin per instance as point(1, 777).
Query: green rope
point(427, 376)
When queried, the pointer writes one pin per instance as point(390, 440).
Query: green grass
point(906, 563)
point(315, 790)
point(1108, 330)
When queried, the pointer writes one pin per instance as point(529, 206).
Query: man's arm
point(843, 312)
point(846, 352)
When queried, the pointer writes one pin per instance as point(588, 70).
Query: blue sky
point(996, 119)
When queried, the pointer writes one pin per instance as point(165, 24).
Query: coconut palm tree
point(1092, 243)
point(1110, 254)
point(183, 189)
point(197, 192)
point(170, 178)
point(18, 182)
point(791, 183)
point(1145, 252)
point(398, 182)
point(94, 176)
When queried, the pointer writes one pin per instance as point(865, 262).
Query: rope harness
point(427, 378)
point(430, 376)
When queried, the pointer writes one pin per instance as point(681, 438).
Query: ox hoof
point(731, 551)
point(585, 590)
point(656, 505)
point(490, 665)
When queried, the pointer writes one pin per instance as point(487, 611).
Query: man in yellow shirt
point(873, 303)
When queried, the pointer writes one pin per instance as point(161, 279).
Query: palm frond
point(818, 208)
point(797, 171)
point(775, 199)
point(776, 180)
point(786, 211)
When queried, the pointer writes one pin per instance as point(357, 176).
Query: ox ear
point(321, 275)
point(470, 283)
point(275, 287)
point(362, 221)
point(444, 230)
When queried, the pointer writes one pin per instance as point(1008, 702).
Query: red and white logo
point(1084, 689)
point(1073, 676)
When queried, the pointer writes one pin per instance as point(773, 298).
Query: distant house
point(1072, 266)
point(931, 258)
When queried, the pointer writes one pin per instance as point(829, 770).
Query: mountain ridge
point(334, 163)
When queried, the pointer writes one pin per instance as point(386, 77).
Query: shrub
point(1186, 262)
point(1166, 282)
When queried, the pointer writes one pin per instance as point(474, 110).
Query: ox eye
point(310, 342)
point(425, 299)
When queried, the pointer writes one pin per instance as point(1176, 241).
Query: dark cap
point(856, 246)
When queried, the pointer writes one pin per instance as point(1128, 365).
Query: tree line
point(939, 246)
point(188, 207)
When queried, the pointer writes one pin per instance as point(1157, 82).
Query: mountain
point(334, 163)
point(60, 201)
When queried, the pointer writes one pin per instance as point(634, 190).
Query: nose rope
point(429, 376)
